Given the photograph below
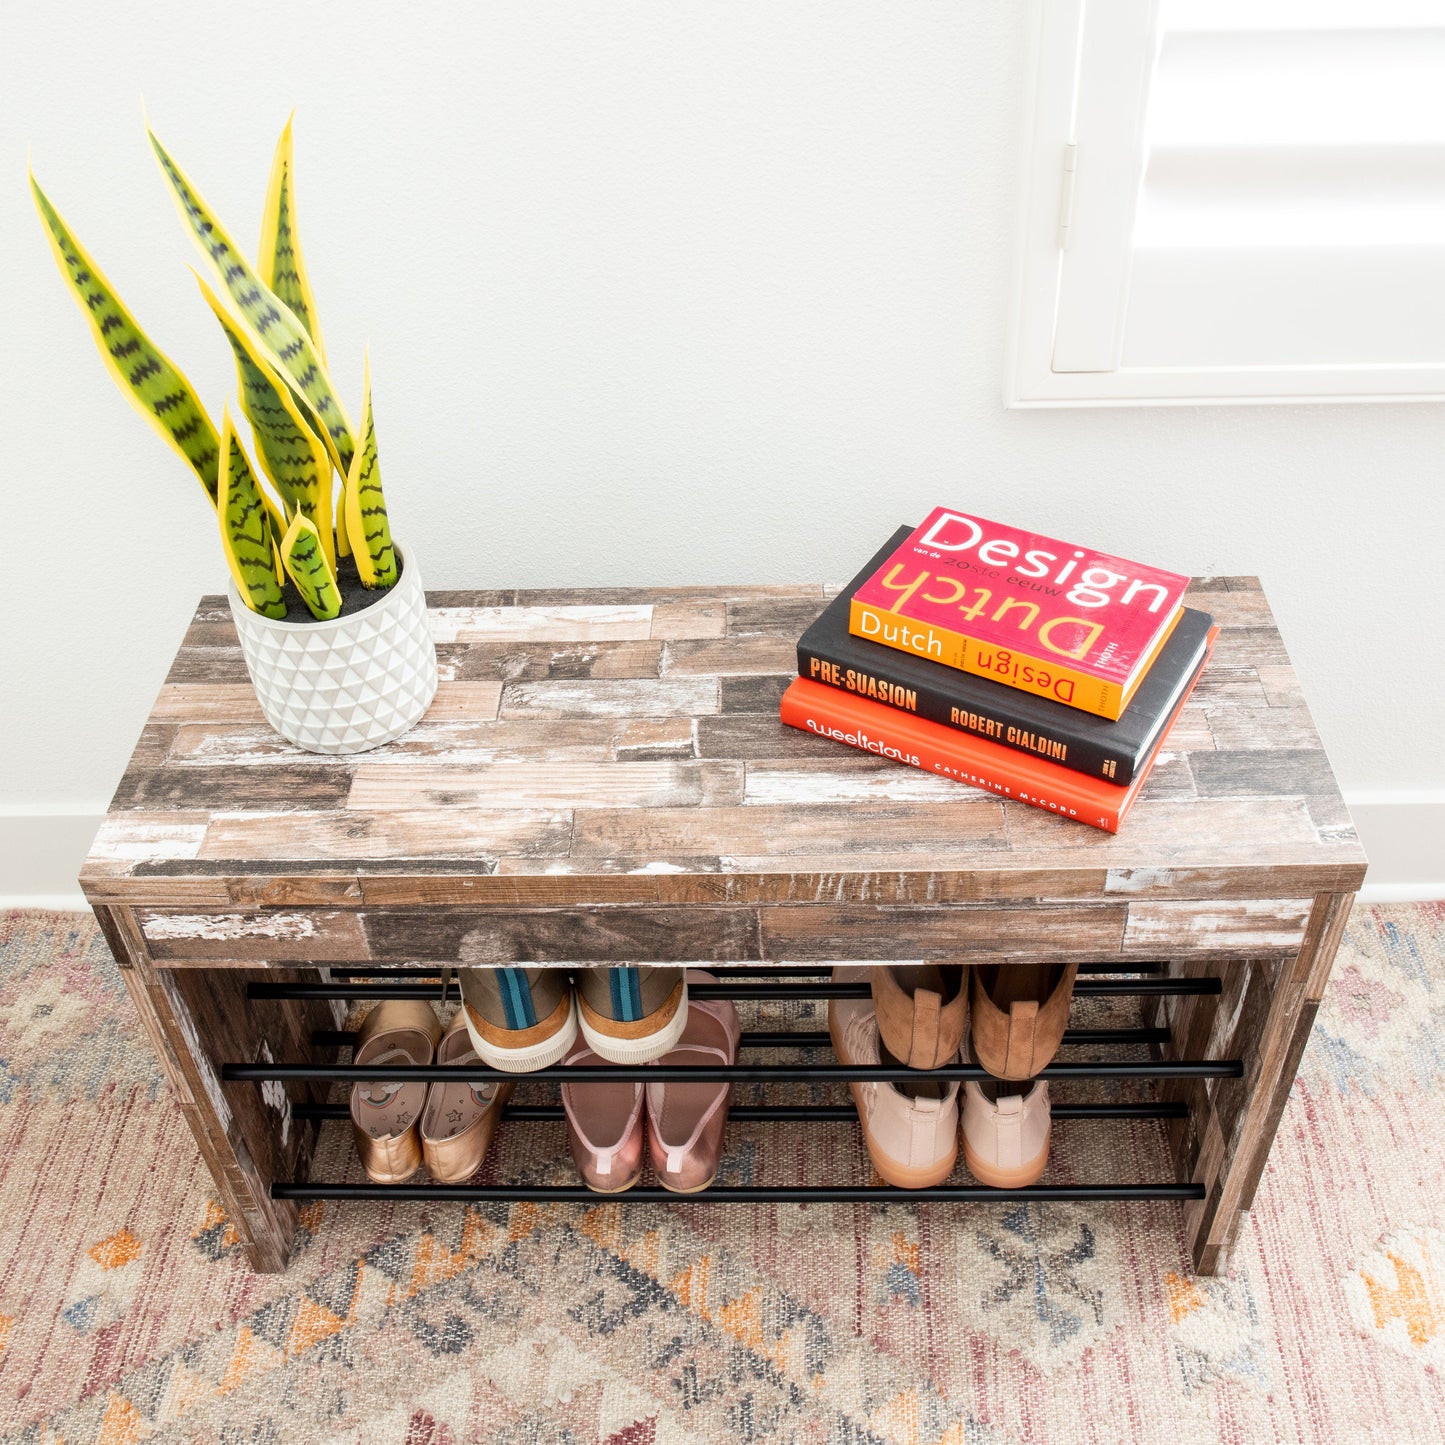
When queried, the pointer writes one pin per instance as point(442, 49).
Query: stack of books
point(1009, 661)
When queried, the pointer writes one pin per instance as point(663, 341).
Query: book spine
point(868, 727)
point(1009, 665)
point(938, 705)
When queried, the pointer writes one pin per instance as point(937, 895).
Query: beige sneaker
point(911, 1129)
point(1006, 1130)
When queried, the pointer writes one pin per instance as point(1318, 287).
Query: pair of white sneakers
point(913, 1130)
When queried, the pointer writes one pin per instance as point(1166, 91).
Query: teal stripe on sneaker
point(517, 998)
point(626, 989)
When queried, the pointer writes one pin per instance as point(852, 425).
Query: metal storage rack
point(764, 985)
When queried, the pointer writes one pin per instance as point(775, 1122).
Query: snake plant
point(327, 521)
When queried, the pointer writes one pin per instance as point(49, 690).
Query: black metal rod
point(818, 1038)
point(822, 1113)
point(732, 970)
point(733, 1073)
point(1084, 987)
point(723, 1194)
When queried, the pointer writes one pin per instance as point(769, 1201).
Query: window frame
point(1061, 48)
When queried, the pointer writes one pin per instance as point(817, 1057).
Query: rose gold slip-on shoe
point(685, 1122)
point(604, 1128)
point(384, 1114)
point(460, 1118)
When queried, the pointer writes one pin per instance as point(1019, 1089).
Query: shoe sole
point(535, 1056)
point(997, 1178)
point(382, 1177)
point(637, 1051)
point(621, 1189)
point(696, 1188)
point(902, 1176)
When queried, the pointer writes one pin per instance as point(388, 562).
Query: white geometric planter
point(349, 684)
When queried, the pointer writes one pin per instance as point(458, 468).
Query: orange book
point(873, 727)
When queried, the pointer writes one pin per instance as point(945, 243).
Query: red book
point(887, 732)
point(1061, 621)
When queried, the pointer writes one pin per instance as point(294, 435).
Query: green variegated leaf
point(291, 454)
point(283, 267)
point(275, 325)
point(306, 565)
point(364, 506)
point(246, 528)
point(157, 390)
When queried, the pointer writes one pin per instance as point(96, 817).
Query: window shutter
point(1256, 199)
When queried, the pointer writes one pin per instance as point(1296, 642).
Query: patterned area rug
point(127, 1313)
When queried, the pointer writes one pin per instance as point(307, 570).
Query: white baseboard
point(1403, 831)
point(41, 850)
point(1404, 836)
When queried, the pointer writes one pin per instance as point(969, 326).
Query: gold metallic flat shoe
point(384, 1114)
point(460, 1119)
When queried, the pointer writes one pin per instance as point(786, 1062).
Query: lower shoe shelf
point(750, 1194)
point(749, 984)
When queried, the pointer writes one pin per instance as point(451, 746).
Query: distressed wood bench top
point(622, 746)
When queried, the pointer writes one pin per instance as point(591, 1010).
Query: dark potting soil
point(354, 597)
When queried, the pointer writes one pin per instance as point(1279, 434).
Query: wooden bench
point(603, 778)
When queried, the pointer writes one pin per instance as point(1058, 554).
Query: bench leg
point(1264, 1017)
point(196, 1019)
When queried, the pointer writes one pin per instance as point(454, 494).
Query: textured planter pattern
point(349, 684)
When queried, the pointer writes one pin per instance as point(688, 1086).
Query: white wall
point(655, 291)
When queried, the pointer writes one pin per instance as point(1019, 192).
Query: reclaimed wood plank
point(212, 666)
point(1190, 731)
point(662, 593)
point(751, 736)
point(1235, 685)
point(207, 703)
point(1241, 729)
point(1281, 687)
point(1171, 831)
point(509, 659)
point(612, 697)
point(703, 618)
point(566, 623)
point(428, 744)
point(650, 739)
point(659, 834)
point(272, 788)
point(730, 656)
point(1237, 609)
point(921, 932)
point(283, 936)
point(1170, 777)
point(649, 934)
point(838, 779)
point(752, 694)
point(1251, 647)
point(1258, 772)
point(671, 783)
point(400, 833)
point(781, 616)
point(130, 837)
point(1215, 925)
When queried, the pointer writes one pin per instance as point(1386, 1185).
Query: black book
point(829, 653)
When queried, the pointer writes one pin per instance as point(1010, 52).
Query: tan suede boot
point(1020, 1011)
point(922, 1012)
